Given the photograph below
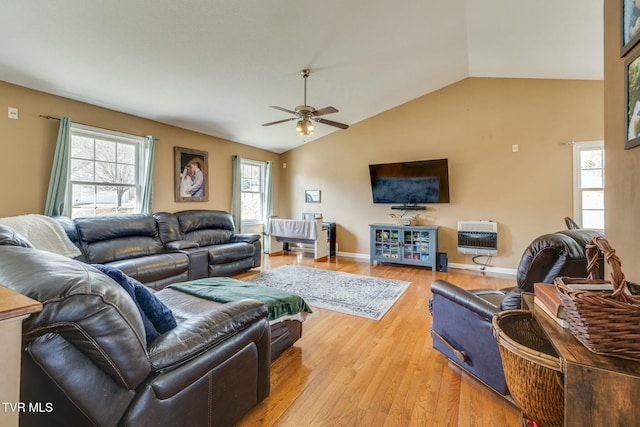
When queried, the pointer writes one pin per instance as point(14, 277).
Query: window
point(252, 174)
point(105, 172)
point(588, 175)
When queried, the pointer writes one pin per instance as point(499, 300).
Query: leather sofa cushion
point(553, 255)
point(9, 237)
point(203, 331)
point(118, 249)
point(192, 220)
point(206, 227)
point(512, 300)
point(168, 226)
point(209, 237)
point(223, 254)
point(116, 237)
point(97, 228)
point(185, 306)
point(154, 267)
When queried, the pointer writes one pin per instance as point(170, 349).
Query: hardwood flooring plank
point(351, 371)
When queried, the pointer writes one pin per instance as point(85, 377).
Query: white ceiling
point(214, 66)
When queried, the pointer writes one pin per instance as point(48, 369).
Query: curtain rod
point(84, 124)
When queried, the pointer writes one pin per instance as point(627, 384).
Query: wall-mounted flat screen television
point(410, 183)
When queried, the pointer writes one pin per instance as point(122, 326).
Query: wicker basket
point(406, 220)
point(532, 368)
point(606, 322)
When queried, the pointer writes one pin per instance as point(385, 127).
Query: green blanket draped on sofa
point(226, 289)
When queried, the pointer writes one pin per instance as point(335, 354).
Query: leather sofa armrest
point(198, 262)
point(470, 300)
point(9, 237)
point(244, 237)
point(180, 245)
point(198, 334)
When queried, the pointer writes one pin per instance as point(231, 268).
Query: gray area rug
point(354, 294)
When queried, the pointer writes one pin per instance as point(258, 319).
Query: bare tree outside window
point(252, 175)
point(103, 178)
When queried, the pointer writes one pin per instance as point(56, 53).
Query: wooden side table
point(14, 307)
point(599, 390)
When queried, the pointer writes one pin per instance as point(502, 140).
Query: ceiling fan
point(305, 113)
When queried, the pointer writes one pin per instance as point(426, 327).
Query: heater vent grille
point(478, 238)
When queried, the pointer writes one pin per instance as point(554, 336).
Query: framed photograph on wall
point(632, 100)
point(312, 196)
point(191, 171)
point(630, 25)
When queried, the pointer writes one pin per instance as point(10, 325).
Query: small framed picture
point(632, 100)
point(312, 196)
point(191, 175)
point(630, 26)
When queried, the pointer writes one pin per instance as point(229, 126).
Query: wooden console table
point(599, 390)
point(14, 307)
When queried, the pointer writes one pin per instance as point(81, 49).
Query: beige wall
point(473, 123)
point(28, 145)
point(622, 201)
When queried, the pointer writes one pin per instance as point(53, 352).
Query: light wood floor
point(351, 371)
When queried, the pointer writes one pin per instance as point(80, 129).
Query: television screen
point(410, 183)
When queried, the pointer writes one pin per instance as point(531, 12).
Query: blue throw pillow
point(157, 318)
point(160, 315)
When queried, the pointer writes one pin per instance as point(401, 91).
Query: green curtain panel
point(57, 192)
point(236, 193)
point(268, 206)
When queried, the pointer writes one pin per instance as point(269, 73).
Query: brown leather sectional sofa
point(166, 248)
point(86, 356)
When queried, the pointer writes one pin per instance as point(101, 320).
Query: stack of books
point(547, 298)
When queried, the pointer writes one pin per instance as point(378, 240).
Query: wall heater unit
point(478, 238)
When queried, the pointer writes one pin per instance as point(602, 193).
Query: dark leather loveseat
point(461, 324)
point(166, 248)
point(212, 232)
point(87, 358)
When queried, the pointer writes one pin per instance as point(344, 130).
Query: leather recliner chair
point(461, 323)
point(86, 357)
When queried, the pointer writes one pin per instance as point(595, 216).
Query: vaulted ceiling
point(214, 66)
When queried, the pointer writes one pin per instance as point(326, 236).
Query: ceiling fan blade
point(331, 123)
point(282, 109)
point(279, 121)
point(323, 111)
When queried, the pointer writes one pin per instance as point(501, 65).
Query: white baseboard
point(364, 257)
point(487, 269)
point(471, 267)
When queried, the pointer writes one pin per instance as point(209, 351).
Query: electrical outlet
point(12, 113)
point(514, 148)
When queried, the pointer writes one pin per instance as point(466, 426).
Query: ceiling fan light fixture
point(305, 127)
